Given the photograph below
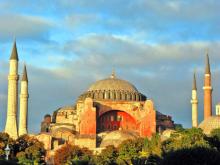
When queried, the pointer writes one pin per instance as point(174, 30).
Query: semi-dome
point(113, 88)
point(209, 124)
point(115, 138)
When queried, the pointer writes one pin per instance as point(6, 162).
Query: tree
point(29, 150)
point(108, 156)
point(129, 150)
point(214, 139)
point(192, 156)
point(188, 138)
point(70, 154)
point(4, 140)
point(152, 146)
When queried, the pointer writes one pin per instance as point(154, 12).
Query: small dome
point(117, 137)
point(71, 109)
point(113, 88)
point(209, 124)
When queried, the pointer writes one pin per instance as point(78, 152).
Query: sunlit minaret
point(11, 120)
point(207, 90)
point(23, 104)
point(194, 102)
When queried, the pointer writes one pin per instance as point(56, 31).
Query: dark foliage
point(192, 156)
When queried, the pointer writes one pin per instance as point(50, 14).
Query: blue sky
point(67, 45)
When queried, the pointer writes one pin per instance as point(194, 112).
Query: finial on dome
point(113, 74)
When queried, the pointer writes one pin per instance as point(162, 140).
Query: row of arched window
point(115, 95)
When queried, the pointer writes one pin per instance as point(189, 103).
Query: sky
point(69, 44)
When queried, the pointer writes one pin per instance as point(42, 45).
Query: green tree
point(192, 156)
point(129, 150)
point(214, 139)
point(70, 154)
point(29, 150)
point(108, 156)
point(152, 146)
point(188, 138)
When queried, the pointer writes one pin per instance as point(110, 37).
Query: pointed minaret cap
point(14, 53)
point(194, 82)
point(24, 77)
point(207, 67)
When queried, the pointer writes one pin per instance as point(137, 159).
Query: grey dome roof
point(113, 89)
point(113, 84)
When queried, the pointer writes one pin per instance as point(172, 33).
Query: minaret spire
point(194, 102)
point(194, 87)
point(24, 77)
point(23, 103)
point(207, 89)
point(207, 67)
point(14, 53)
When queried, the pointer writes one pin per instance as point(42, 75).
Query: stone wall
point(88, 118)
point(86, 141)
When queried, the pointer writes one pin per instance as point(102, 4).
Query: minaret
point(207, 90)
point(23, 104)
point(11, 121)
point(194, 102)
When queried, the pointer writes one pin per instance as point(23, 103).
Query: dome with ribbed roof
point(113, 84)
point(210, 123)
point(113, 88)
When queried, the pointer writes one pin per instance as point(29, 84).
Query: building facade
point(111, 108)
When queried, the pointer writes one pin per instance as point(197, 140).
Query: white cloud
point(24, 26)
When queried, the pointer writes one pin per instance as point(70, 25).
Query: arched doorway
point(115, 120)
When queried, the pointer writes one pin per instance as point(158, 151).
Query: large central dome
point(113, 83)
point(113, 88)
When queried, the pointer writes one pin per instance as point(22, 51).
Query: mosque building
point(210, 122)
point(109, 111)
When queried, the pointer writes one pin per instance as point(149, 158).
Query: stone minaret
point(11, 121)
point(207, 90)
point(23, 104)
point(194, 103)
